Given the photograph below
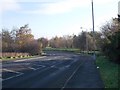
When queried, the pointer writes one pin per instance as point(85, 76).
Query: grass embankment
point(62, 49)
point(76, 50)
point(14, 56)
point(109, 72)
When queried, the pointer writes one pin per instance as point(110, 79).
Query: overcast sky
point(48, 18)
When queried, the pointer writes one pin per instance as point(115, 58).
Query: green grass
point(62, 49)
point(76, 50)
point(108, 71)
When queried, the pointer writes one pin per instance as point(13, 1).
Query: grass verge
point(109, 72)
point(62, 49)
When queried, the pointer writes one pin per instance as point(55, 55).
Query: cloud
point(63, 6)
point(49, 6)
point(7, 5)
point(39, 1)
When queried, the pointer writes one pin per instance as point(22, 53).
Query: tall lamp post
point(94, 57)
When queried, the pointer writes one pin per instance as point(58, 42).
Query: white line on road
point(67, 66)
point(70, 77)
point(52, 66)
point(11, 71)
point(0, 74)
point(35, 68)
point(12, 77)
point(32, 68)
point(18, 74)
point(39, 65)
point(29, 59)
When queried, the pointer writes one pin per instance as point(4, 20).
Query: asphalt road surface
point(55, 70)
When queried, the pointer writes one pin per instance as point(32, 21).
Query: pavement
point(55, 70)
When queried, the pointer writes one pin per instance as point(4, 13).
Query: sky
point(50, 18)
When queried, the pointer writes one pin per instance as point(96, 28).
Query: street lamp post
point(94, 57)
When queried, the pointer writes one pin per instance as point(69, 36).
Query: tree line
point(22, 40)
point(106, 41)
point(111, 40)
point(83, 41)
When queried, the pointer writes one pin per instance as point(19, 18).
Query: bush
point(112, 49)
point(32, 47)
point(111, 40)
point(9, 55)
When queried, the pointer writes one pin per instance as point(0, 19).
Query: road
point(55, 70)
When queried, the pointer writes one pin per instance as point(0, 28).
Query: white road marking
point(29, 59)
point(49, 59)
point(32, 68)
point(70, 77)
point(18, 74)
point(0, 70)
point(39, 65)
point(67, 58)
point(55, 64)
point(55, 57)
point(0, 74)
point(36, 68)
point(67, 66)
point(52, 66)
point(11, 71)
point(12, 77)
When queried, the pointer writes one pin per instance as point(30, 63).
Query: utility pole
point(94, 57)
point(119, 11)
